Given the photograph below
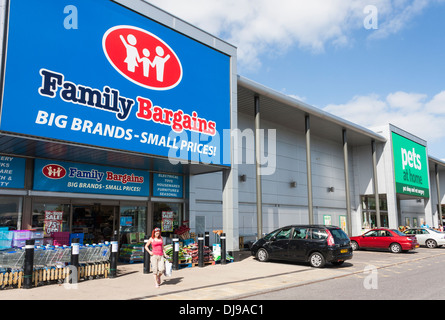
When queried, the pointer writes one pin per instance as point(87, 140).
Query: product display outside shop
point(410, 167)
point(118, 81)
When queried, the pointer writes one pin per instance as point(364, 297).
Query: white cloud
point(259, 27)
point(437, 104)
point(406, 102)
point(413, 112)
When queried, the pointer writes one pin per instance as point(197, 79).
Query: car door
point(279, 244)
point(368, 240)
point(422, 235)
point(298, 244)
point(384, 239)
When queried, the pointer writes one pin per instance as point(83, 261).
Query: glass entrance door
point(167, 216)
point(133, 224)
point(97, 222)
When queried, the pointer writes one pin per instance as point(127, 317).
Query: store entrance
point(167, 216)
point(97, 222)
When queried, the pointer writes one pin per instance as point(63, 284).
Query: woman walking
point(157, 255)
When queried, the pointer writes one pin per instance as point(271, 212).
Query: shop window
point(11, 212)
point(133, 224)
point(167, 216)
point(97, 222)
point(369, 216)
point(51, 217)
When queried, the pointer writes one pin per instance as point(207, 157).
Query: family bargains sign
point(60, 176)
point(410, 167)
point(117, 79)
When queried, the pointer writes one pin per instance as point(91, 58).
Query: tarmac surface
point(236, 280)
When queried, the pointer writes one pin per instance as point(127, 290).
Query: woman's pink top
point(157, 246)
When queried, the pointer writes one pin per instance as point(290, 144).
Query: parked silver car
point(428, 237)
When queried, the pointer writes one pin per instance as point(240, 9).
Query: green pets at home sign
point(410, 167)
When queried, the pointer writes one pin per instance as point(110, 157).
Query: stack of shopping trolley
point(52, 264)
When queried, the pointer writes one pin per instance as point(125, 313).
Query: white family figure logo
point(55, 172)
point(142, 57)
point(133, 59)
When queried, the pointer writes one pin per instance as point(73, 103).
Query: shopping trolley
point(11, 264)
point(12, 258)
point(93, 259)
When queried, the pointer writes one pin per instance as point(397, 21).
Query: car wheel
point(317, 260)
point(395, 248)
point(262, 255)
point(430, 243)
point(354, 245)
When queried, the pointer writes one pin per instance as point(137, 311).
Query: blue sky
point(320, 52)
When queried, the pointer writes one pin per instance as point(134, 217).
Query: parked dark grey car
point(316, 244)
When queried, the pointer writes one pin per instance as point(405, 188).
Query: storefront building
point(128, 118)
point(105, 117)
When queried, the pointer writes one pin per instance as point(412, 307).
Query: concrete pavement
point(213, 282)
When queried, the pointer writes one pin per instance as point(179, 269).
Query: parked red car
point(383, 238)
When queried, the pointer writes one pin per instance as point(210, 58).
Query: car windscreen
point(270, 235)
point(338, 234)
point(436, 231)
point(397, 232)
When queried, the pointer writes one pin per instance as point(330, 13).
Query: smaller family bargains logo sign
point(142, 57)
point(83, 178)
point(54, 171)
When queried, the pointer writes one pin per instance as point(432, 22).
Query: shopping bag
point(168, 268)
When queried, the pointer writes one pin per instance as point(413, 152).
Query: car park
point(384, 238)
point(316, 244)
point(427, 237)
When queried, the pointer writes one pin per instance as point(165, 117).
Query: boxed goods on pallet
point(79, 236)
point(36, 234)
point(61, 238)
point(132, 253)
point(6, 239)
point(18, 238)
point(192, 251)
point(183, 257)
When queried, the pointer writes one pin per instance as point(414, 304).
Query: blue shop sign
point(61, 176)
point(103, 75)
point(12, 172)
point(167, 185)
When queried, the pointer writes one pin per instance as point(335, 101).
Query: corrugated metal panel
point(289, 112)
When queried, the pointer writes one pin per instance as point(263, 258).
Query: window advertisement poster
point(126, 221)
point(61, 176)
point(52, 222)
point(327, 220)
point(12, 172)
point(106, 76)
point(410, 167)
point(167, 185)
point(343, 224)
point(167, 221)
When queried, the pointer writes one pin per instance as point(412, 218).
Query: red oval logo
point(142, 57)
point(54, 171)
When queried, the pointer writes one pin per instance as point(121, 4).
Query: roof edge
point(311, 110)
